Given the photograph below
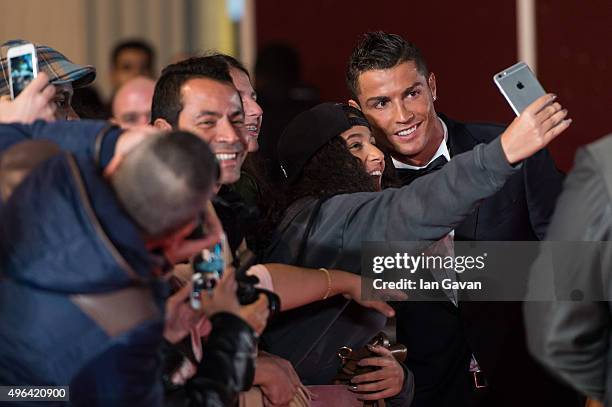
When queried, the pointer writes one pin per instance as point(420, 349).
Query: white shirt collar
point(442, 150)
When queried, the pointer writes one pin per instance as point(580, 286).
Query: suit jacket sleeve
point(571, 338)
point(432, 205)
point(543, 184)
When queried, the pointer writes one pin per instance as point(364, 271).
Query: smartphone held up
point(519, 86)
point(22, 67)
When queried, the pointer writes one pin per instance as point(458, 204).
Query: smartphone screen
point(22, 72)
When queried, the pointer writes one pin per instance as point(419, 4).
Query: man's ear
point(353, 103)
point(432, 85)
point(162, 124)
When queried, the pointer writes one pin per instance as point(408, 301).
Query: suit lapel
point(460, 141)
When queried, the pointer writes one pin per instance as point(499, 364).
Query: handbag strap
point(327, 328)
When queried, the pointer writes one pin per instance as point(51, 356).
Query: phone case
point(519, 86)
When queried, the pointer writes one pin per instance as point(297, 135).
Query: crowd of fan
point(97, 220)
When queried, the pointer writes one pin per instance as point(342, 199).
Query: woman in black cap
point(361, 144)
point(331, 204)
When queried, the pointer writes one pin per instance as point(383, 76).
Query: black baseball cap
point(311, 130)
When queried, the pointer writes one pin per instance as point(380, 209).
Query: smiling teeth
point(407, 131)
point(376, 173)
point(223, 157)
point(251, 128)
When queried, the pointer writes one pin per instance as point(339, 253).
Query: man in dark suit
point(461, 353)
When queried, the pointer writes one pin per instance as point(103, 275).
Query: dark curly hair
point(333, 170)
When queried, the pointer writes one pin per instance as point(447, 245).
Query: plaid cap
point(59, 68)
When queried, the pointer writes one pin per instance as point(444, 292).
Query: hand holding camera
point(221, 298)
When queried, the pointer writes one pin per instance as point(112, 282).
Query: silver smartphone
point(519, 86)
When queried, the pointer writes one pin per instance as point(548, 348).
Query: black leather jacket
point(227, 367)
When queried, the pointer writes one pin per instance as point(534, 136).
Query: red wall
point(575, 61)
point(465, 43)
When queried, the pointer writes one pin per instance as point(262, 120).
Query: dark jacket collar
point(459, 139)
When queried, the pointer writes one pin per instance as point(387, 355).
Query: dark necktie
point(407, 175)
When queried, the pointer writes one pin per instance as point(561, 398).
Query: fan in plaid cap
point(60, 70)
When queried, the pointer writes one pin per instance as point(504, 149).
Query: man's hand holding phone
point(188, 248)
point(34, 103)
point(180, 315)
point(223, 297)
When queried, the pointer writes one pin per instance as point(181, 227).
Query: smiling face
point(360, 143)
point(252, 111)
point(398, 102)
point(212, 110)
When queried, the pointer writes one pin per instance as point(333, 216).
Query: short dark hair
point(381, 50)
point(229, 60)
point(164, 181)
point(167, 99)
point(133, 44)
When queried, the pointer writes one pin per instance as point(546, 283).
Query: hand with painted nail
point(387, 381)
point(539, 124)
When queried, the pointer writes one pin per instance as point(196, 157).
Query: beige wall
point(38, 21)
point(86, 30)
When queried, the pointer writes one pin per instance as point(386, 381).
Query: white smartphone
point(22, 67)
point(519, 86)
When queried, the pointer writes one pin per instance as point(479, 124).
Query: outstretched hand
point(352, 291)
point(539, 124)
